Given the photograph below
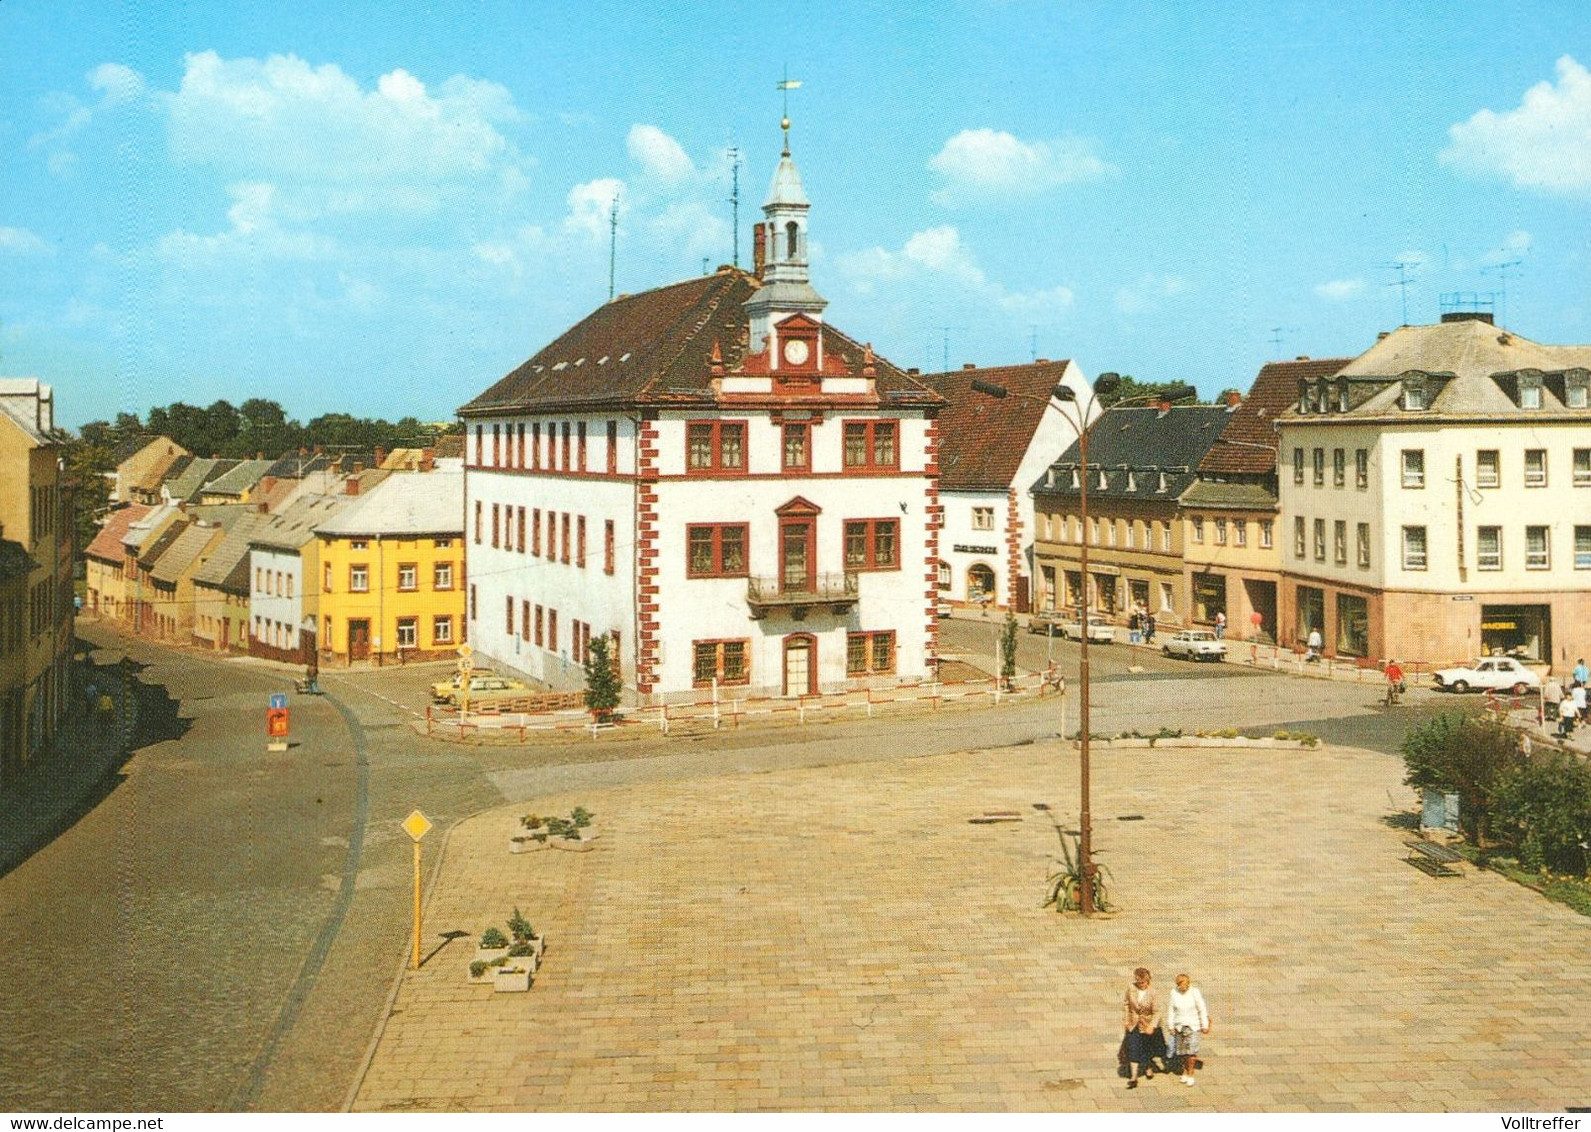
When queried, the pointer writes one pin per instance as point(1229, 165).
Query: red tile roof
point(1247, 446)
point(107, 544)
point(656, 348)
point(982, 440)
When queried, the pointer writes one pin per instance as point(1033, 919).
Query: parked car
point(1489, 673)
point(1045, 624)
point(1194, 644)
point(1100, 631)
point(483, 685)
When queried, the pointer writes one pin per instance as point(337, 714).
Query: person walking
point(1581, 673)
point(1567, 716)
point(1186, 1018)
point(1142, 1020)
point(1220, 625)
point(1149, 628)
point(1315, 643)
point(1551, 697)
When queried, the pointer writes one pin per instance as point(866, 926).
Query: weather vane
point(786, 85)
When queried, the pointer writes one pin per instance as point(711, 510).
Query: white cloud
point(590, 204)
point(939, 255)
point(1543, 144)
point(1340, 290)
point(660, 156)
point(116, 83)
point(22, 242)
point(984, 163)
point(255, 233)
point(1516, 245)
point(1145, 293)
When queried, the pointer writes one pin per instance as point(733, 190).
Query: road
point(220, 932)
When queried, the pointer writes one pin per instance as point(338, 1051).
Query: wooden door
point(358, 640)
point(800, 666)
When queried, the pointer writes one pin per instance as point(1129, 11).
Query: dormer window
point(1530, 391)
point(1103, 482)
point(1323, 396)
point(1306, 398)
point(1161, 486)
point(1342, 396)
point(1577, 389)
point(1132, 481)
point(1414, 394)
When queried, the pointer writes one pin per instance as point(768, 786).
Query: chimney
point(1301, 358)
point(759, 256)
point(1469, 316)
point(969, 365)
point(263, 507)
point(427, 459)
point(351, 486)
point(319, 451)
point(1233, 399)
point(1164, 407)
point(259, 455)
point(1382, 334)
point(912, 371)
point(1041, 361)
point(381, 456)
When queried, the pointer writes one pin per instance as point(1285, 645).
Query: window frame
point(1542, 559)
point(412, 624)
point(787, 431)
point(1581, 469)
point(1339, 467)
point(1493, 560)
point(1412, 477)
point(359, 572)
point(1540, 472)
point(719, 653)
point(1423, 561)
point(868, 640)
point(1485, 477)
point(413, 569)
point(1582, 537)
point(437, 581)
point(716, 541)
point(869, 562)
point(871, 428)
point(1362, 545)
point(715, 439)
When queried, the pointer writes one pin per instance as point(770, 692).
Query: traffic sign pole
point(416, 825)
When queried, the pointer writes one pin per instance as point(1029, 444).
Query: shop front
point(1520, 631)
point(1209, 597)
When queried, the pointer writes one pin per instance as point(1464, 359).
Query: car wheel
point(1166, 649)
point(1520, 688)
point(1460, 687)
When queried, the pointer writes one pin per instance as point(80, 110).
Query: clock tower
point(786, 282)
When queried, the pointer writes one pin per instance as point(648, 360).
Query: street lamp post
point(1102, 384)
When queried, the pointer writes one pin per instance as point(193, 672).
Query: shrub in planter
point(1543, 809)
point(479, 968)
point(492, 938)
point(1466, 755)
point(520, 928)
point(581, 817)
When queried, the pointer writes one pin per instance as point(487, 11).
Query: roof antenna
point(1402, 266)
point(613, 241)
point(1033, 343)
point(1501, 270)
point(734, 196)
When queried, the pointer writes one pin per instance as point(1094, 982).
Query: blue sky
point(381, 208)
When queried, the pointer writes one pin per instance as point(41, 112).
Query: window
point(521, 517)
point(983, 518)
point(1339, 467)
point(1582, 548)
point(1166, 605)
point(1414, 548)
point(1267, 533)
point(441, 630)
point(1320, 540)
point(1339, 542)
point(1414, 395)
point(552, 629)
point(1414, 467)
point(509, 603)
point(567, 461)
point(443, 543)
point(359, 579)
point(1093, 532)
point(607, 546)
point(1361, 467)
point(477, 522)
point(480, 449)
point(473, 611)
point(287, 581)
point(715, 446)
point(325, 582)
point(1362, 537)
point(1582, 467)
point(442, 576)
point(540, 621)
point(408, 632)
point(1487, 468)
point(519, 460)
point(1535, 467)
point(552, 535)
point(613, 448)
point(497, 445)
point(716, 550)
point(797, 447)
point(535, 531)
point(1529, 394)
point(1220, 532)
point(869, 654)
point(408, 576)
point(723, 661)
point(1320, 467)
point(1132, 535)
point(524, 621)
point(563, 528)
point(1489, 548)
point(580, 541)
point(580, 446)
point(1165, 535)
point(1577, 391)
point(1239, 532)
point(1197, 528)
point(872, 544)
point(871, 445)
point(1298, 465)
point(1298, 536)
point(496, 526)
point(535, 445)
point(1538, 551)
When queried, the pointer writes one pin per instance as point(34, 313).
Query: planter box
point(1130, 743)
point(539, 944)
point(589, 833)
point(573, 844)
point(525, 845)
point(510, 979)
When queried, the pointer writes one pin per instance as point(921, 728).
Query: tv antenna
point(613, 242)
point(1033, 343)
point(734, 197)
point(1402, 267)
point(1276, 338)
point(1501, 270)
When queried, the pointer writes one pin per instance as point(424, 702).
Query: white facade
point(276, 597)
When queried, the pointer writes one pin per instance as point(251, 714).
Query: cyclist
point(1394, 676)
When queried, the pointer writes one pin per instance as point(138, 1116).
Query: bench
point(1433, 859)
point(309, 686)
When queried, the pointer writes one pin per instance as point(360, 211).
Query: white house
point(991, 450)
point(283, 571)
point(730, 489)
point(1435, 498)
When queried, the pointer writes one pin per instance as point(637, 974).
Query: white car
point(1100, 631)
point(1195, 644)
point(1489, 673)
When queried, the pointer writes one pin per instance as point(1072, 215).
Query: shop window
point(1209, 596)
point(1353, 625)
point(1523, 632)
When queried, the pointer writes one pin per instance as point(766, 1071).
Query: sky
point(382, 208)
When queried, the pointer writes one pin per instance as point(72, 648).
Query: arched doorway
point(800, 665)
point(980, 583)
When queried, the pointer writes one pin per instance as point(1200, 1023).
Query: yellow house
point(392, 571)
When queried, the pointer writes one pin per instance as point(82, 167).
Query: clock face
point(795, 351)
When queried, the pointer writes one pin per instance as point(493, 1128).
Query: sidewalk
point(842, 938)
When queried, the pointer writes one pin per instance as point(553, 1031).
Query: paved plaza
point(842, 937)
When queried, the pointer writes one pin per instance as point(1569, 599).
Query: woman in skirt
point(1143, 1017)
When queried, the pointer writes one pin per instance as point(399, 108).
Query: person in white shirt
point(1186, 1018)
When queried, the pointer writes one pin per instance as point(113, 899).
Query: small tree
point(1008, 650)
point(1544, 810)
point(602, 681)
point(1470, 756)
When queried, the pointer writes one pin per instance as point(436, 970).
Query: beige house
point(144, 463)
point(105, 563)
point(1436, 498)
point(221, 589)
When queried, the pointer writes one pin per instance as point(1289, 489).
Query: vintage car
point(1489, 673)
point(1100, 631)
point(1194, 644)
point(483, 685)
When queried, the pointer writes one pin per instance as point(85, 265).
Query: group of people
point(1141, 621)
point(1567, 705)
point(1185, 1018)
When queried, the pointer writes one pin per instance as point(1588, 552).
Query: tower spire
point(786, 85)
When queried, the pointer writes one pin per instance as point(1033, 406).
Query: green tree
point(1130, 388)
point(1544, 810)
point(1008, 650)
point(87, 464)
point(602, 679)
point(1467, 755)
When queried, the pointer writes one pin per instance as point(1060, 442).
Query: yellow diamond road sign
point(416, 825)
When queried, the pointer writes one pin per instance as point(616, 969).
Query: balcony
point(836, 592)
